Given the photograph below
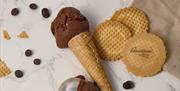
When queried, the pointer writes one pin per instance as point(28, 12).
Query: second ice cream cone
point(84, 49)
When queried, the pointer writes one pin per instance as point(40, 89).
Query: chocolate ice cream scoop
point(78, 84)
point(68, 23)
point(86, 86)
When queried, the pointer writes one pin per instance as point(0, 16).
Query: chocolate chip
point(33, 6)
point(81, 77)
point(128, 85)
point(28, 52)
point(15, 11)
point(45, 13)
point(37, 61)
point(19, 73)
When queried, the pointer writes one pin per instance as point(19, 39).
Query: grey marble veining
point(60, 64)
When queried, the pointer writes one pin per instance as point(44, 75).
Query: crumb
point(6, 35)
point(4, 70)
point(23, 35)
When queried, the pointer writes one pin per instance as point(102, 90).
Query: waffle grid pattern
point(4, 70)
point(85, 50)
point(110, 38)
point(133, 18)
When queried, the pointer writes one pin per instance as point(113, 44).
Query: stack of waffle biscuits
point(125, 36)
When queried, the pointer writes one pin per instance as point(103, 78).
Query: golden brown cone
point(84, 49)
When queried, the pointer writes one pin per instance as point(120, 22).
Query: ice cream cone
point(84, 49)
point(4, 70)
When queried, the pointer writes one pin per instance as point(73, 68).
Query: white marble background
point(60, 64)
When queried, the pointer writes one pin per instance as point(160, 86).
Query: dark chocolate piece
point(37, 61)
point(15, 11)
point(45, 13)
point(33, 6)
point(28, 52)
point(128, 85)
point(19, 73)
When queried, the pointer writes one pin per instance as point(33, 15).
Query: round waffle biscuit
point(144, 54)
point(133, 18)
point(110, 38)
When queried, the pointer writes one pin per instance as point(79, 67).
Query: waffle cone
point(84, 49)
point(4, 70)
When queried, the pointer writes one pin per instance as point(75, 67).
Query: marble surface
point(60, 64)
